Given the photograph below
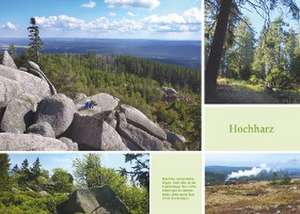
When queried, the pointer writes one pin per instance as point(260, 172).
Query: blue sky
point(258, 22)
point(154, 19)
point(51, 161)
point(279, 161)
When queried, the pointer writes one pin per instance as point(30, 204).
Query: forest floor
point(259, 197)
point(231, 91)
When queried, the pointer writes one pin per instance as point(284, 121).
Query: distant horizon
point(242, 166)
point(252, 160)
point(105, 38)
point(179, 52)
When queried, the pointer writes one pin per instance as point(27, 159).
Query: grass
point(231, 91)
point(259, 197)
point(241, 84)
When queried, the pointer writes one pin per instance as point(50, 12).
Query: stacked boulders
point(98, 200)
point(169, 94)
point(34, 117)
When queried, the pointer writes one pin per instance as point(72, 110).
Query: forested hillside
point(137, 82)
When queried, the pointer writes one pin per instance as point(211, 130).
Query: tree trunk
point(216, 51)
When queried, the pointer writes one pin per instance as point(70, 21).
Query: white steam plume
point(249, 172)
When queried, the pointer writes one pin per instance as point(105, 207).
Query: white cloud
point(9, 26)
point(62, 21)
point(100, 24)
point(192, 16)
point(90, 4)
point(187, 21)
point(165, 20)
point(130, 13)
point(134, 3)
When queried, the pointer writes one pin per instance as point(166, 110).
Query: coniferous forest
point(136, 81)
point(248, 62)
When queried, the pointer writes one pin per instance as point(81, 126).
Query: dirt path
point(239, 95)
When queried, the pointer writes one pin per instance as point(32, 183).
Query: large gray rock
point(169, 91)
point(9, 90)
point(105, 102)
point(141, 121)
point(36, 70)
point(71, 145)
point(170, 94)
point(29, 83)
point(138, 138)
point(58, 110)
point(111, 140)
point(93, 132)
point(8, 60)
point(29, 142)
point(19, 114)
point(100, 200)
point(42, 128)
point(111, 119)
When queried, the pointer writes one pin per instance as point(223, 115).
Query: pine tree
point(25, 165)
point(291, 44)
point(4, 172)
point(240, 56)
point(270, 52)
point(25, 172)
point(15, 169)
point(140, 170)
point(35, 40)
point(36, 169)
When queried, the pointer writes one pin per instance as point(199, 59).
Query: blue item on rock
point(89, 105)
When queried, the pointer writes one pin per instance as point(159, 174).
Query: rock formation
point(33, 68)
point(42, 128)
point(58, 110)
point(170, 94)
point(32, 115)
point(101, 200)
point(8, 60)
point(30, 142)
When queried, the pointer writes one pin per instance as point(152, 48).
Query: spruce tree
point(36, 169)
point(15, 169)
point(35, 43)
point(240, 56)
point(25, 172)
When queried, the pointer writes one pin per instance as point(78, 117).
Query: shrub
point(278, 79)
